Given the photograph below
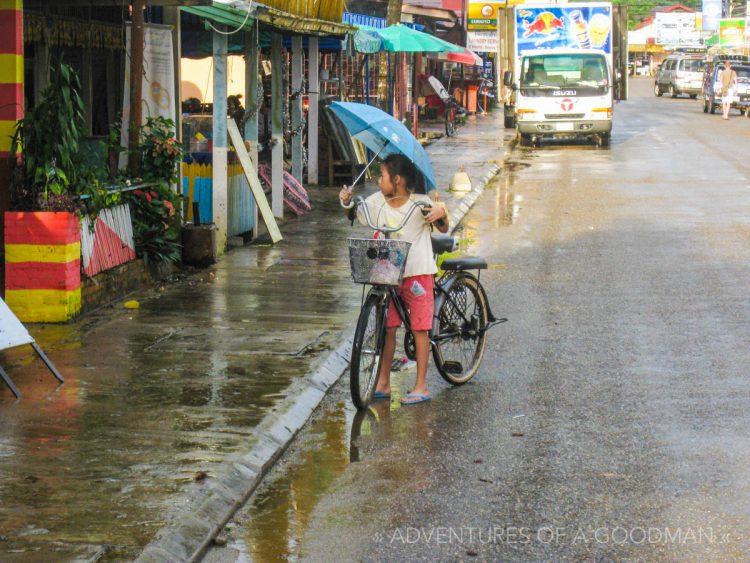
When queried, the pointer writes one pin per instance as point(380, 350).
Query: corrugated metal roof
point(327, 10)
point(283, 20)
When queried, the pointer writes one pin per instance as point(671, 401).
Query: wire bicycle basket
point(378, 261)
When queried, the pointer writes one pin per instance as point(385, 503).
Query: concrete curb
point(209, 509)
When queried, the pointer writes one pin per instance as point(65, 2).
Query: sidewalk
point(171, 413)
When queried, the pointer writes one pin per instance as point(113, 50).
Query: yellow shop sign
point(483, 15)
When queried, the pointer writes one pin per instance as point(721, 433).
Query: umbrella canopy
point(402, 39)
point(366, 41)
point(465, 56)
point(384, 135)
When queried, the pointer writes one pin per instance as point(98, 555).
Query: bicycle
point(452, 110)
point(462, 311)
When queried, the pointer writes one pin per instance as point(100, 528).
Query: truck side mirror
point(508, 78)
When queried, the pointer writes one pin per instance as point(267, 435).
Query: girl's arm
point(345, 196)
point(438, 216)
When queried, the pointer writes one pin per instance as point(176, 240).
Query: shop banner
point(158, 76)
point(482, 41)
point(676, 29)
point(483, 14)
point(731, 31)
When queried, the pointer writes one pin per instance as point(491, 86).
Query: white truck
point(562, 82)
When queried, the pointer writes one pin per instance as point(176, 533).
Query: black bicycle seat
point(443, 243)
point(464, 263)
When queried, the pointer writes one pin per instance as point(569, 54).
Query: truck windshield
point(573, 75)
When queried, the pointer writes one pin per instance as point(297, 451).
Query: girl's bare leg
point(422, 344)
point(389, 349)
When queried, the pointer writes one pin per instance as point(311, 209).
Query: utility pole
point(136, 83)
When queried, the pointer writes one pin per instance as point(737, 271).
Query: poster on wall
point(158, 77)
point(585, 26)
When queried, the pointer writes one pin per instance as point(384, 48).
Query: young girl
point(388, 208)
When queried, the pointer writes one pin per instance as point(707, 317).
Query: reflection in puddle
point(281, 511)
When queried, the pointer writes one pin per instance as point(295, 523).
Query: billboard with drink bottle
point(577, 26)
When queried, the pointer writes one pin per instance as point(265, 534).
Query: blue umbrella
point(383, 135)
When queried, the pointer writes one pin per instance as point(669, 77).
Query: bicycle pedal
point(453, 367)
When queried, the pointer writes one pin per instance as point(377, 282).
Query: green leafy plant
point(161, 153)
point(113, 148)
point(156, 223)
point(45, 148)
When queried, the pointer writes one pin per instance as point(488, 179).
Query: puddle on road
point(272, 525)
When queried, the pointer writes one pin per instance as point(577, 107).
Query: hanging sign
point(158, 96)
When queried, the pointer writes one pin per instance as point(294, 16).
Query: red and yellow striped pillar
point(11, 70)
point(11, 91)
point(43, 266)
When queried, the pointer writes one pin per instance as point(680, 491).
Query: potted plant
point(42, 231)
point(155, 208)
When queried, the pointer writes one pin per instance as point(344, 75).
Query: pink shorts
point(417, 293)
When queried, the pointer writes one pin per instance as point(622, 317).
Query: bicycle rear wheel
point(459, 329)
point(450, 122)
point(367, 350)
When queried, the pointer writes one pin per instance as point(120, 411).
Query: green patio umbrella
point(402, 39)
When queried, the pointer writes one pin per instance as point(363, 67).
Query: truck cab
point(563, 93)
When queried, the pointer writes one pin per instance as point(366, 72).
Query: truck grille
point(563, 115)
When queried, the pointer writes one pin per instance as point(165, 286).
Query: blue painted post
point(367, 79)
point(277, 127)
point(253, 99)
point(219, 171)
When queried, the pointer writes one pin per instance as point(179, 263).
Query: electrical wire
point(240, 28)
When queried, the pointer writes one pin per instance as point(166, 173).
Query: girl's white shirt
point(416, 231)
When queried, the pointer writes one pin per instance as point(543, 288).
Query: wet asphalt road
point(610, 417)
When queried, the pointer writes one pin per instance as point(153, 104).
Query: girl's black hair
point(399, 165)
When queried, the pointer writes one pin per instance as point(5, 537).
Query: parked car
point(680, 73)
point(711, 93)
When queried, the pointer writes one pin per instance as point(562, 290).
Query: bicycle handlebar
point(359, 201)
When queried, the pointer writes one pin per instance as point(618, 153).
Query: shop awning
point(235, 18)
point(647, 48)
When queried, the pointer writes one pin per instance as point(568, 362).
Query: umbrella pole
point(366, 167)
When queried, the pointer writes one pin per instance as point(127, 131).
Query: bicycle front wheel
point(459, 329)
point(367, 350)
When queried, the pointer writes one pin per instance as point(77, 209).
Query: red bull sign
point(577, 26)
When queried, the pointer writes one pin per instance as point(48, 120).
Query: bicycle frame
point(390, 294)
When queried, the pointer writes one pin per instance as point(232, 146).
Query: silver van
point(680, 73)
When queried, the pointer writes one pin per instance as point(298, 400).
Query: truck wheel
point(524, 140)
point(672, 91)
point(693, 96)
point(603, 140)
point(657, 90)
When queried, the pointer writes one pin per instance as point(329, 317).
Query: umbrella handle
point(357, 179)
